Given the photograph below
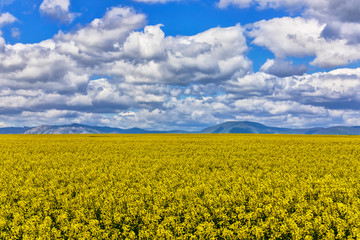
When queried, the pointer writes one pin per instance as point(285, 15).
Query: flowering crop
point(170, 186)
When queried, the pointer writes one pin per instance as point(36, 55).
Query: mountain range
point(76, 129)
point(254, 127)
point(226, 127)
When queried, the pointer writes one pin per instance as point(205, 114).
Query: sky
point(179, 64)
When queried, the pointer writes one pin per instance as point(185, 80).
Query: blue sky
point(185, 64)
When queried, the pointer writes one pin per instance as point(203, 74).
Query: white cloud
point(324, 88)
point(324, 10)
point(282, 68)
point(291, 5)
point(145, 45)
point(333, 10)
point(6, 18)
point(214, 55)
point(338, 30)
point(15, 32)
point(58, 9)
point(299, 37)
point(101, 36)
point(258, 84)
point(146, 79)
point(328, 29)
point(238, 3)
point(2, 43)
point(288, 36)
point(277, 108)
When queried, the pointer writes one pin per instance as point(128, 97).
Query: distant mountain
point(253, 127)
point(226, 127)
point(14, 130)
point(86, 129)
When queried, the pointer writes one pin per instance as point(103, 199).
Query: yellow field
point(179, 186)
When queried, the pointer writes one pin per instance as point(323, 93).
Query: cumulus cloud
point(6, 18)
point(260, 3)
point(288, 36)
point(326, 10)
point(102, 38)
point(142, 69)
point(299, 37)
point(58, 9)
point(337, 31)
point(149, 57)
point(211, 56)
point(328, 30)
point(238, 3)
point(336, 10)
point(121, 72)
point(324, 88)
point(266, 107)
point(283, 68)
point(309, 100)
point(145, 45)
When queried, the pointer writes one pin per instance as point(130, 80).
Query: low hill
point(14, 130)
point(86, 129)
point(226, 127)
point(254, 127)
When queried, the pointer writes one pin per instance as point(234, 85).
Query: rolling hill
point(77, 129)
point(254, 127)
point(226, 127)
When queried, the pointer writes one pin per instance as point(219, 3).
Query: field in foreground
point(179, 186)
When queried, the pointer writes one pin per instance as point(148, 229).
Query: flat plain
point(179, 186)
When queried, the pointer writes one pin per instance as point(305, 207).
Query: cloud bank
point(119, 71)
point(327, 30)
point(140, 68)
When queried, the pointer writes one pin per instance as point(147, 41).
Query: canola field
point(177, 186)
